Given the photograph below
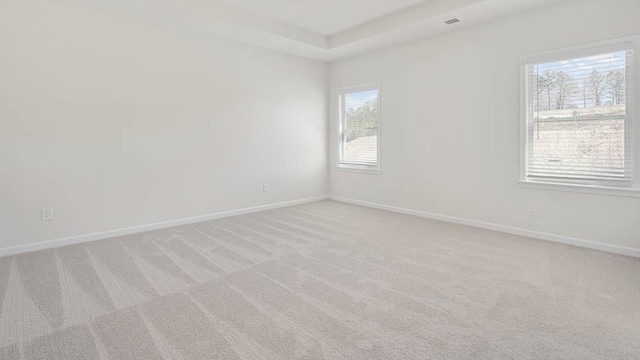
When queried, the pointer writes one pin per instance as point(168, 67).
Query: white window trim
point(357, 168)
point(633, 110)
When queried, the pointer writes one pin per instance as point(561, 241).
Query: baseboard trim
point(620, 250)
point(50, 244)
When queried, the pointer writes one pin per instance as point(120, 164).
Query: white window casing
point(579, 123)
point(359, 128)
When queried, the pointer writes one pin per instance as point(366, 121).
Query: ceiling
point(323, 30)
point(325, 17)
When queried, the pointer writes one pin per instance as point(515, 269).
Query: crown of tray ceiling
point(324, 30)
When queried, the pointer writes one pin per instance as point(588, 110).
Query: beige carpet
point(322, 280)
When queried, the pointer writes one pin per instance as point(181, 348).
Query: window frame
point(632, 126)
point(361, 168)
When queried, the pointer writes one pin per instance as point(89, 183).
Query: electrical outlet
point(531, 207)
point(266, 188)
point(47, 214)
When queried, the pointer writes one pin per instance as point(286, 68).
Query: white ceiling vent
point(452, 21)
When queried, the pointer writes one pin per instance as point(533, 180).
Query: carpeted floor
point(322, 280)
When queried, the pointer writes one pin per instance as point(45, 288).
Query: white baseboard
point(49, 244)
point(501, 228)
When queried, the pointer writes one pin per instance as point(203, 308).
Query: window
point(359, 128)
point(578, 125)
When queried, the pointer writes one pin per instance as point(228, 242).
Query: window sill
point(358, 169)
point(589, 189)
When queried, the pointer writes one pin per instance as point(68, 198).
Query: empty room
point(319, 179)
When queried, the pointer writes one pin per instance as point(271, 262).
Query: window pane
point(577, 120)
point(360, 128)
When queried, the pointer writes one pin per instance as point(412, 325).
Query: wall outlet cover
point(531, 207)
point(47, 214)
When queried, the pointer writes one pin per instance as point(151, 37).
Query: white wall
point(450, 124)
point(116, 123)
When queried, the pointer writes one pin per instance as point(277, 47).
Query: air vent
point(452, 21)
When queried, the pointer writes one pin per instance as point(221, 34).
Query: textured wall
point(450, 120)
point(115, 123)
